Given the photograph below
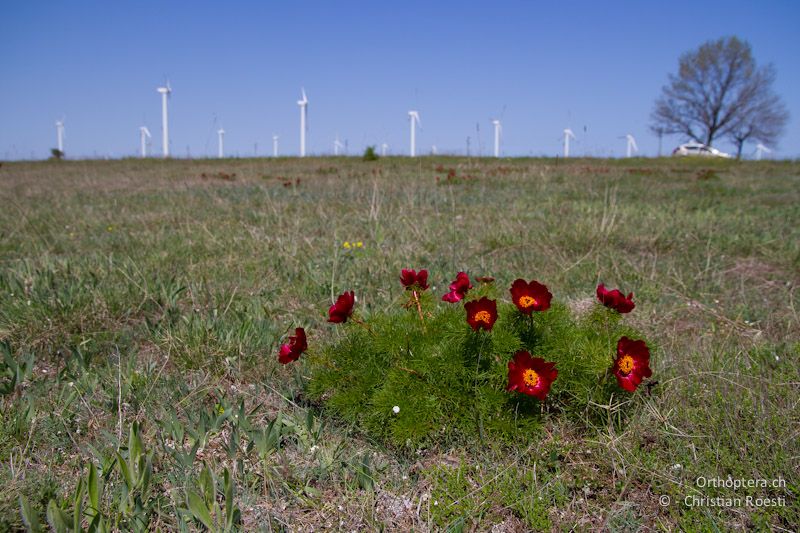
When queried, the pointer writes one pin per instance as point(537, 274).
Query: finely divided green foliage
point(449, 381)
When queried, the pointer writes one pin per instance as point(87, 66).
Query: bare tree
point(719, 91)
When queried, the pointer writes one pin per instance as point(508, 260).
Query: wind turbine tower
point(144, 134)
point(761, 149)
point(303, 116)
point(567, 134)
point(336, 145)
point(60, 135)
point(497, 129)
point(384, 146)
point(221, 143)
point(413, 117)
point(631, 145)
point(165, 93)
point(274, 145)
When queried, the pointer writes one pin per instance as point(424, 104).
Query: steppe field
point(143, 303)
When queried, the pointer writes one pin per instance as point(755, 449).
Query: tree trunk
point(739, 144)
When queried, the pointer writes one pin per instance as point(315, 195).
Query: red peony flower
point(632, 363)
point(458, 289)
point(481, 313)
point(530, 375)
point(531, 296)
point(412, 279)
point(292, 351)
point(615, 299)
point(343, 308)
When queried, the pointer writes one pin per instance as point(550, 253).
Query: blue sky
point(593, 66)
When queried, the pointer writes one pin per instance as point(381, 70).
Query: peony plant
point(476, 365)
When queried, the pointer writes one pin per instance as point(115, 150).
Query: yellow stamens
point(527, 301)
point(530, 377)
point(625, 364)
point(483, 316)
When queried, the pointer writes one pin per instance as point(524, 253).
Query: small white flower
point(677, 466)
point(314, 448)
point(435, 503)
point(396, 409)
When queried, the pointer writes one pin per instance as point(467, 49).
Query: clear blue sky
point(539, 66)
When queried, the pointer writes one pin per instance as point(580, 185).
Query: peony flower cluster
point(528, 375)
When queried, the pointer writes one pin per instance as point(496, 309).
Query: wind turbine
point(144, 134)
point(221, 143)
point(274, 145)
point(761, 149)
point(60, 135)
point(165, 93)
point(497, 129)
point(567, 134)
point(631, 145)
point(303, 115)
point(413, 117)
point(336, 145)
point(384, 146)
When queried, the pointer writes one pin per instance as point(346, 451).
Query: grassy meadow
point(142, 303)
